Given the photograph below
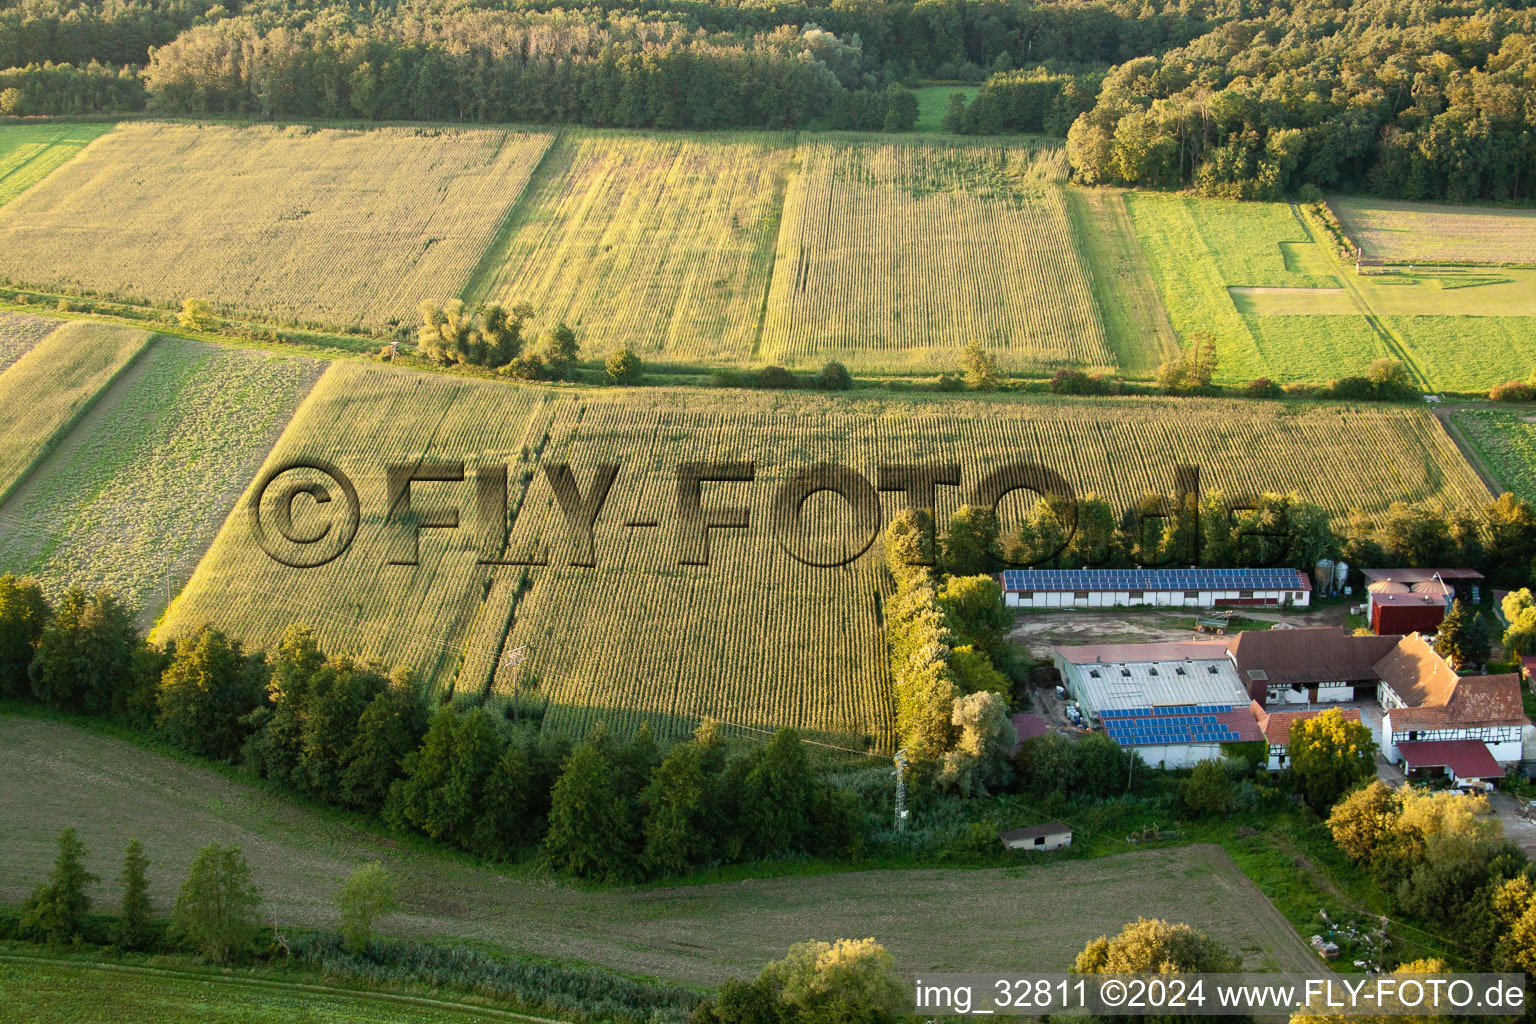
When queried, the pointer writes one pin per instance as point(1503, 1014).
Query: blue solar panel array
point(1171, 710)
point(1190, 723)
point(1151, 579)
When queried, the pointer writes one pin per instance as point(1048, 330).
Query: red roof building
point(1028, 727)
point(1276, 728)
point(1464, 761)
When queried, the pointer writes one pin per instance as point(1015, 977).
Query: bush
point(1208, 790)
point(1512, 391)
point(949, 382)
point(624, 367)
point(1263, 387)
point(776, 378)
point(980, 367)
point(834, 377)
point(1076, 382)
point(197, 315)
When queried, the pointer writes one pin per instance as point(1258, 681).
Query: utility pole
point(901, 790)
point(513, 659)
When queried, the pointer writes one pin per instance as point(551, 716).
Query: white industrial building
point(1161, 588)
point(1174, 703)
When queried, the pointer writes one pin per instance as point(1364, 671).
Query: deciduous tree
point(1329, 756)
point(216, 910)
point(368, 894)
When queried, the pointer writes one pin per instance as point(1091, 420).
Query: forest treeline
point(1411, 101)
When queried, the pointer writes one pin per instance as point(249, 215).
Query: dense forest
point(1415, 100)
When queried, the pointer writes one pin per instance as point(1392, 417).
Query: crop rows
point(341, 227)
point(660, 244)
point(47, 389)
point(896, 256)
point(362, 420)
point(754, 638)
point(138, 488)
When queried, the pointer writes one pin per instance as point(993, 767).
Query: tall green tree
point(444, 784)
point(589, 831)
point(84, 653)
point(1463, 639)
point(1519, 610)
point(215, 913)
point(207, 692)
point(133, 921)
point(971, 541)
point(780, 795)
point(681, 812)
point(389, 728)
point(23, 614)
point(55, 912)
point(368, 894)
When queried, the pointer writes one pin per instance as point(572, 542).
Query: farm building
point(1316, 665)
point(1028, 726)
point(1175, 703)
point(1427, 706)
point(1402, 601)
point(1276, 727)
point(1053, 835)
point(1467, 763)
point(1175, 588)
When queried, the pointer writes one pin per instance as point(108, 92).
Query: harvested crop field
point(19, 332)
point(894, 257)
point(135, 492)
point(311, 225)
point(1400, 231)
point(56, 775)
point(755, 638)
point(45, 390)
point(663, 245)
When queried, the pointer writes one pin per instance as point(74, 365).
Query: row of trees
point(340, 731)
point(92, 88)
point(496, 66)
point(1036, 100)
point(944, 39)
point(1214, 530)
point(946, 634)
point(214, 913)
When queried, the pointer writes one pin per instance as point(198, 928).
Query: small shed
point(1053, 835)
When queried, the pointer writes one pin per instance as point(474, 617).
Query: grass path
point(45, 989)
point(30, 152)
point(1037, 915)
point(1136, 324)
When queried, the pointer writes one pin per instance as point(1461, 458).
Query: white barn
point(1160, 588)
point(1174, 703)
